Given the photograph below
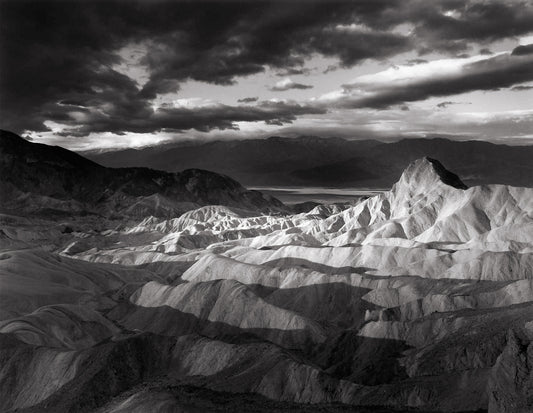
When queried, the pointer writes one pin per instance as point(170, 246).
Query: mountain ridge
point(53, 172)
point(335, 162)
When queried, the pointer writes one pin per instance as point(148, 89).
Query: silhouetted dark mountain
point(252, 162)
point(37, 176)
point(336, 162)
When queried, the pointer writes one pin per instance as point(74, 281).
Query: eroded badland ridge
point(418, 298)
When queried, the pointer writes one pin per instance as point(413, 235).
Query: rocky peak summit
point(425, 173)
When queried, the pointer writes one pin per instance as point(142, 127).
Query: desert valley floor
point(417, 299)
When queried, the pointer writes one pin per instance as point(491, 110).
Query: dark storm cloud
point(54, 51)
point(451, 25)
point(522, 50)
point(485, 51)
point(352, 47)
point(60, 51)
point(204, 118)
point(248, 100)
point(229, 40)
point(152, 88)
point(444, 105)
point(496, 72)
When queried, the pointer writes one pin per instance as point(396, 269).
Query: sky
point(116, 74)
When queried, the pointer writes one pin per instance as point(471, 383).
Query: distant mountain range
point(39, 178)
point(333, 162)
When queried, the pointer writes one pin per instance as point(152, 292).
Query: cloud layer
point(59, 62)
point(287, 84)
point(438, 78)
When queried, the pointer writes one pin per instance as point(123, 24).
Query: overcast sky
point(100, 74)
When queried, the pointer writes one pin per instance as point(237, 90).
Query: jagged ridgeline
point(417, 299)
point(49, 179)
point(332, 162)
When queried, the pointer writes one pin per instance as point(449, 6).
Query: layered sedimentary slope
point(420, 298)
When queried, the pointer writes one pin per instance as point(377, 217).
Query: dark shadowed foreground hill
point(37, 177)
point(311, 161)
